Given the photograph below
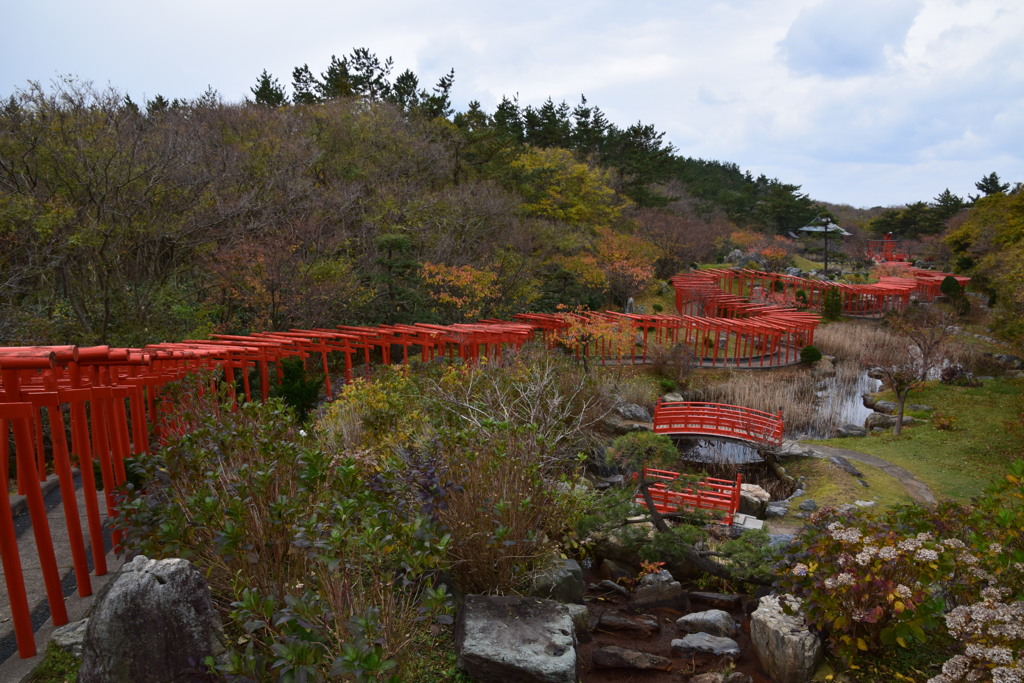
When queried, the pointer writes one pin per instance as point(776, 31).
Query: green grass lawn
point(958, 463)
point(829, 485)
point(805, 264)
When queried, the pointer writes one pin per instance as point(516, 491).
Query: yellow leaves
point(557, 186)
point(902, 643)
point(899, 606)
point(862, 645)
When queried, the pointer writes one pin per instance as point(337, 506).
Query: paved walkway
point(916, 489)
point(13, 668)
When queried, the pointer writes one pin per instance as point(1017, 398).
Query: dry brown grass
point(851, 341)
point(791, 389)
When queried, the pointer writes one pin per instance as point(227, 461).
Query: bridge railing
point(718, 419)
point(720, 497)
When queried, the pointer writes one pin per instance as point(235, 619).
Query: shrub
point(832, 304)
point(504, 517)
point(876, 583)
point(637, 450)
point(674, 362)
point(298, 390)
point(809, 354)
point(319, 567)
point(866, 585)
point(657, 308)
point(801, 299)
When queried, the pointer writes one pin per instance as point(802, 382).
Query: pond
point(725, 459)
point(840, 402)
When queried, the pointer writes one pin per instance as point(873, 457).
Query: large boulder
point(786, 648)
point(633, 412)
point(507, 638)
point(887, 407)
point(154, 623)
point(851, 430)
point(884, 421)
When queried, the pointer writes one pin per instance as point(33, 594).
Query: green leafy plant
point(299, 390)
point(320, 565)
point(810, 354)
point(832, 304)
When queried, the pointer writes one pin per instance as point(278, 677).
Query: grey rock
point(714, 622)
point(561, 581)
point(673, 396)
point(580, 616)
point(702, 643)
point(809, 505)
point(614, 481)
point(633, 412)
point(887, 407)
point(658, 588)
point(506, 638)
point(70, 636)
point(717, 600)
point(640, 625)
point(154, 622)
point(779, 540)
point(869, 400)
point(864, 503)
point(617, 569)
point(795, 449)
point(612, 587)
point(753, 500)
point(612, 657)
point(716, 677)
point(776, 510)
point(845, 465)
point(851, 431)
point(885, 421)
point(786, 648)
point(920, 408)
point(620, 426)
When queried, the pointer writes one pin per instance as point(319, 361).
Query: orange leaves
point(459, 291)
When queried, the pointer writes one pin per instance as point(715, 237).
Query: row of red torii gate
point(104, 404)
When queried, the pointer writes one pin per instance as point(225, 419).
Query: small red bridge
point(718, 419)
point(720, 497)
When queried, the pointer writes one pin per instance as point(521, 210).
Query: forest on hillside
point(365, 198)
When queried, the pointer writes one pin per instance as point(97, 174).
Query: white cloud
point(868, 102)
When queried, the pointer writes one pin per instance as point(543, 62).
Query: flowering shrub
point(873, 583)
point(867, 584)
point(993, 632)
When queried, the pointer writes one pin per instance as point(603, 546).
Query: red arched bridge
point(687, 418)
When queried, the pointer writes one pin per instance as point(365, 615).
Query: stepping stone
point(612, 657)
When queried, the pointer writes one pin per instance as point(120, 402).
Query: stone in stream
point(612, 657)
point(714, 622)
point(704, 644)
point(639, 625)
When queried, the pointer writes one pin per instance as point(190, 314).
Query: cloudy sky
point(864, 102)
